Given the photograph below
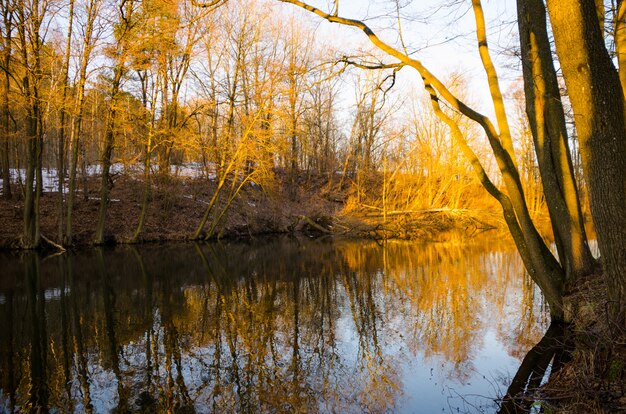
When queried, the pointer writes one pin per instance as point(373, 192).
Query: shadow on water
point(283, 325)
point(550, 353)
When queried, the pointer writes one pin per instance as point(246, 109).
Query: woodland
point(141, 120)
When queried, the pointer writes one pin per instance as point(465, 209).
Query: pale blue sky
point(441, 37)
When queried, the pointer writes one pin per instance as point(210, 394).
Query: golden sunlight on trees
point(600, 129)
point(208, 116)
point(143, 105)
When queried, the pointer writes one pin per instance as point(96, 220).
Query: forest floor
point(176, 207)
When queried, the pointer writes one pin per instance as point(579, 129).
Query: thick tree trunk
point(549, 131)
point(597, 100)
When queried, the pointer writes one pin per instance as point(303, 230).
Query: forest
point(128, 121)
point(167, 109)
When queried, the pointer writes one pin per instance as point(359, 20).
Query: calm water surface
point(278, 325)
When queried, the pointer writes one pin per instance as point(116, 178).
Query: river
point(276, 325)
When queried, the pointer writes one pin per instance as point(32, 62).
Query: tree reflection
point(281, 326)
point(551, 348)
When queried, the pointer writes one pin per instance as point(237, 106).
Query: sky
point(441, 37)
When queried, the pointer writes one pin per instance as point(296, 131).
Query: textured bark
point(597, 100)
point(547, 123)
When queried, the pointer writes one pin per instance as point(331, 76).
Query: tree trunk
point(549, 131)
point(597, 100)
point(64, 114)
point(127, 23)
point(6, 114)
point(74, 140)
point(106, 182)
point(30, 44)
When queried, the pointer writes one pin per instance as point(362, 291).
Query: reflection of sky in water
point(409, 328)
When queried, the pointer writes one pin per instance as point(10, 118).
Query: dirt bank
point(176, 207)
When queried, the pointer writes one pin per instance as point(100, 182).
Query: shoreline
point(176, 207)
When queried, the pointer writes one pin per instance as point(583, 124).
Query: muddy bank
point(176, 207)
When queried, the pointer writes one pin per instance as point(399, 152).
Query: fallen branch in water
point(314, 224)
point(53, 244)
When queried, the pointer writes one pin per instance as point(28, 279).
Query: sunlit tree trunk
point(549, 131)
point(597, 99)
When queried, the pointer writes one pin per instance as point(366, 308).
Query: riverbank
point(176, 207)
point(594, 379)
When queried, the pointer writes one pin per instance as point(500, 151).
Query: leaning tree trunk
point(597, 100)
point(538, 259)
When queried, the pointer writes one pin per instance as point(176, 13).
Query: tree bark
point(597, 100)
point(549, 131)
point(30, 44)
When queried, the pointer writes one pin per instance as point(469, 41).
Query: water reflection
point(550, 353)
point(280, 326)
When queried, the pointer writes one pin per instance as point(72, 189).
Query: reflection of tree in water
point(552, 351)
point(290, 327)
